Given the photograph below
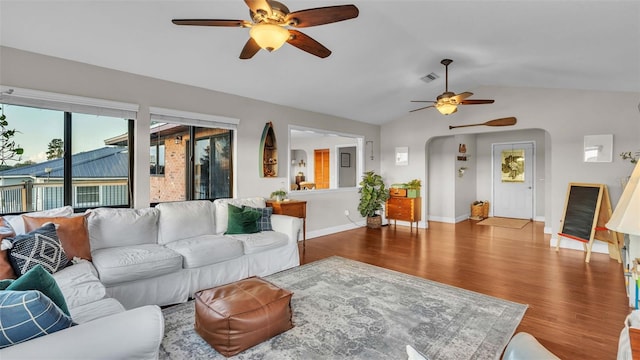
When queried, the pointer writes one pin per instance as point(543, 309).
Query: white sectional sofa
point(146, 258)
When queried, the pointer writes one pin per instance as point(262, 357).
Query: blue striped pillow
point(264, 222)
point(26, 315)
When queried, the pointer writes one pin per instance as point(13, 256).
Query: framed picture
point(345, 160)
point(598, 148)
point(402, 156)
point(513, 165)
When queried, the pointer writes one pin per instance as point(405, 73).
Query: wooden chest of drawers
point(404, 209)
point(398, 192)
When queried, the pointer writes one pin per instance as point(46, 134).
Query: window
point(70, 157)
point(156, 156)
point(197, 152)
point(87, 196)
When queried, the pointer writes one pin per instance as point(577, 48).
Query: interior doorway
point(321, 166)
point(513, 175)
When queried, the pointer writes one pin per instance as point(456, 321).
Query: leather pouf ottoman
point(237, 316)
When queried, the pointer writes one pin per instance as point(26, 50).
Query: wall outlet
point(346, 212)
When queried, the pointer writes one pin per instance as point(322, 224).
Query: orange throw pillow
point(6, 271)
point(72, 232)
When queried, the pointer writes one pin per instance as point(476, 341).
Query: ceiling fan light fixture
point(446, 108)
point(269, 36)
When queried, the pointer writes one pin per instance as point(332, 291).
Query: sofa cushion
point(79, 284)
point(39, 279)
point(221, 211)
point(122, 227)
point(128, 263)
point(206, 249)
point(72, 232)
point(242, 220)
point(25, 315)
point(38, 247)
point(96, 310)
point(6, 231)
point(184, 219)
point(17, 222)
point(262, 241)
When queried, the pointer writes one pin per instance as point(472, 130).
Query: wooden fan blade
point(256, 5)
point(211, 22)
point(459, 97)
point(321, 16)
point(426, 107)
point(476, 102)
point(249, 49)
point(306, 43)
point(508, 121)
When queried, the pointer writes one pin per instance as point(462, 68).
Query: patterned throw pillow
point(71, 230)
point(40, 246)
point(242, 220)
point(264, 223)
point(25, 315)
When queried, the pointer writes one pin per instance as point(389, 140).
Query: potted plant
point(413, 188)
point(372, 195)
point(279, 195)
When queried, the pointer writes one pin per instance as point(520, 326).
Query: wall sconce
point(461, 171)
point(178, 139)
point(302, 163)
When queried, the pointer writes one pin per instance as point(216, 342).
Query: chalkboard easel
point(586, 211)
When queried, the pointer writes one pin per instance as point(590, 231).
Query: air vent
point(429, 77)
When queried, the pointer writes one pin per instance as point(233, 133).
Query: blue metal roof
point(106, 162)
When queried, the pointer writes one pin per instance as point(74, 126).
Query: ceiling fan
point(270, 27)
point(447, 103)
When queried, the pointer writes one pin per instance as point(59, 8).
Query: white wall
point(465, 184)
point(565, 115)
point(440, 190)
point(38, 72)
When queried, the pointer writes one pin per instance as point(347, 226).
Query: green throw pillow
point(37, 278)
point(242, 221)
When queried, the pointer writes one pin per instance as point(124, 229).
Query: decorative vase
point(412, 193)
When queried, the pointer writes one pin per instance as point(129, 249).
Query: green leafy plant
point(372, 194)
point(414, 184)
point(279, 194)
point(9, 150)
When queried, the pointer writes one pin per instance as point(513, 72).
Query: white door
point(513, 167)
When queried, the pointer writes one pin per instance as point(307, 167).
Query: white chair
point(523, 346)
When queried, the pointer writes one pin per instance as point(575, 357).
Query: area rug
point(505, 222)
point(344, 309)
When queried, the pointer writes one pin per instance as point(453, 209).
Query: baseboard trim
point(598, 246)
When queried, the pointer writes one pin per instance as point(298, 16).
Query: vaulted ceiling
point(377, 60)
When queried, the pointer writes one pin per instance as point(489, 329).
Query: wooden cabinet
point(404, 209)
point(296, 208)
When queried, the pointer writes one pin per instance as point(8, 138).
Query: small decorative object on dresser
point(413, 188)
point(279, 195)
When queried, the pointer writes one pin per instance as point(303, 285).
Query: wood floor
point(575, 309)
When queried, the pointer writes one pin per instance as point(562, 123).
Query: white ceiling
point(377, 60)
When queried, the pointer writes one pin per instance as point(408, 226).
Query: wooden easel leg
point(587, 248)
